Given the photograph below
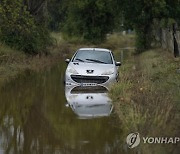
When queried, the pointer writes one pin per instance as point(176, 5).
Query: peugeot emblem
point(90, 71)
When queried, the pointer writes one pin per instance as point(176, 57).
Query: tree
point(89, 19)
point(38, 9)
point(141, 14)
point(57, 13)
point(20, 29)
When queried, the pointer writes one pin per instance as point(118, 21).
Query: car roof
point(95, 49)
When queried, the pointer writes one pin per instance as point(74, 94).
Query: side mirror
point(118, 63)
point(67, 61)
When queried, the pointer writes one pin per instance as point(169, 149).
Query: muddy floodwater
point(38, 114)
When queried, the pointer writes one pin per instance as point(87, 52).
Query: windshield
point(91, 56)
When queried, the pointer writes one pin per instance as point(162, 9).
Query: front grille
point(89, 79)
point(88, 89)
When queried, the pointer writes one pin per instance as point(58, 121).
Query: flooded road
point(39, 115)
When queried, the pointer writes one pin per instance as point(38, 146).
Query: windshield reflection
point(88, 102)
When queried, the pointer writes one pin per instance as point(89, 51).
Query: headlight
point(72, 70)
point(108, 72)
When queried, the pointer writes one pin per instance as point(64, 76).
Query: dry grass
point(67, 47)
point(13, 63)
point(150, 105)
point(113, 42)
point(117, 41)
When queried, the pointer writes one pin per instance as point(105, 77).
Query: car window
point(93, 56)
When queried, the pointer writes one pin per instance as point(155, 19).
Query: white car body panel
point(99, 69)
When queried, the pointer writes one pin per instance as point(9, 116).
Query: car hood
point(98, 69)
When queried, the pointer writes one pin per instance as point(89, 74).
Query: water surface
point(34, 117)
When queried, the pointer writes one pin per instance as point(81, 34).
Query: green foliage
point(23, 23)
point(57, 13)
point(90, 20)
point(141, 14)
point(19, 29)
point(143, 38)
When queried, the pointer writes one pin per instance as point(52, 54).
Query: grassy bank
point(13, 63)
point(147, 98)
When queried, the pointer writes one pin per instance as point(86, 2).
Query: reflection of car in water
point(89, 102)
point(91, 67)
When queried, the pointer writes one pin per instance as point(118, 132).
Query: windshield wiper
point(97, 61)
point(79, 60)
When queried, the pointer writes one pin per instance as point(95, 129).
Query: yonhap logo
point(133, 140)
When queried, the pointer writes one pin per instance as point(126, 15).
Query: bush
point(19, 29)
